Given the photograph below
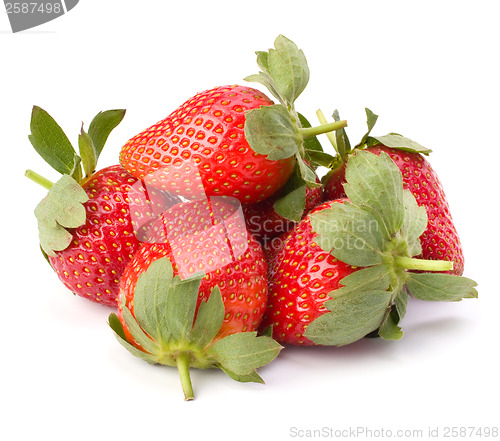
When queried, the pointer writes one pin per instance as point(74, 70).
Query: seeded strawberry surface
point(208, 236)
point(91, 266)
point(301, 275)
point(201, 149)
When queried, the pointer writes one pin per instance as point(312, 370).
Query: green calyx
point(172, 332)
point(279, 131)
point(378, 230)
point(52, 144)
point(62, 208)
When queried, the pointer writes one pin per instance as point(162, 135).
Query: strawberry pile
point(216, 240)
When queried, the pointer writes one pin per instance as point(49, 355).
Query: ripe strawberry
point(195, 294)
point(301, 275)
point(201, 149)
point(91, 266)
point(440, 240)
point(345, 270)
point(208, 236)
point(88, 224)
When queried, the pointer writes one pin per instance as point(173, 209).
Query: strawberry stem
point(309, 132)
point(40, 180)
point(331, 137)
point(183, 368)
point(411, 263)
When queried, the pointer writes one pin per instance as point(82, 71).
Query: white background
point(429, 69)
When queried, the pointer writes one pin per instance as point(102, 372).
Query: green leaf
point(266, 81)
point(263, 60)
point(396, 141)
point(209, 319)
point(139, 335)
point(376, 277)
point(376, 182)
point(414, 224)
point(318, 159)
point(76, 173)
point(292, 205)
point(270, 131)
point(307, 173)
point(87, 152)
point(343, 145)
point(371, 120)
point(51, 142)
point(181, 307)
point(284, 71)
point(400, 303)
point(291, 199)
point(62, 208)
point(150, 299)
point(349, 233)
point(254, 377)
point(116, 326)
point(288, 69)
point(244, 352)
point(438, 287)
point(389, 330)
point(267, 331)
point(350, 318)
point(102, 125)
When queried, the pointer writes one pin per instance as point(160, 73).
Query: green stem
point(40, 180)
point(329, 135)
point(183, 368)
point(411, 263)
point(309, 132)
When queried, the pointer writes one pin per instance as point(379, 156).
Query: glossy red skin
point(301, 275)
point(242, 279)
point(265, 224)
point(93, 263)
point(201, 149)
point(440, 241)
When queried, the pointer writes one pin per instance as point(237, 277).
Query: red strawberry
point(170, 315)
point(208, 236)
point(91, 266)
point(301, 275)
point(440, 240)
point(88, 224)
point(345, 271)
point(201, 148)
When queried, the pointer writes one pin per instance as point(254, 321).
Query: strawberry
point(301, 275)
point(208, 236)
point(86, 229)
point(345, 271)
point(440, 239)
point(201, 146)
point(91, 266)
point(198, 236)
point(233, 140)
